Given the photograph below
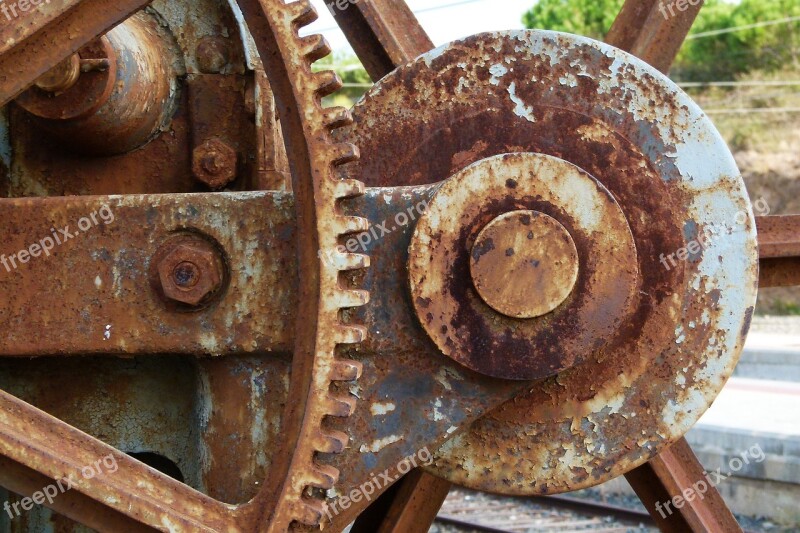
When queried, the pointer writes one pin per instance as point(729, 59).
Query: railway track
point(468, 512)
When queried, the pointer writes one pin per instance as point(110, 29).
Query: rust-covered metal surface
point(226, 333)
point(453, 312)
point(315, 366)
point(51, 32)
point(528, 248)
point(102, 285)
point(118, 105)
point(668, 475)
point(778, 236)
point(384, 33)
point(585, 425)
point(652, 30)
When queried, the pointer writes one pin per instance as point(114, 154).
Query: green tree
point(707, 58)
point(727, 55)
point(591, 18)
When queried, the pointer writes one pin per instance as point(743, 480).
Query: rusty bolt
point(214, 163)
point(190, 272)
point(212, 54)
point(61, 77)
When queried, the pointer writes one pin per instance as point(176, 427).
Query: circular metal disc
point(627, 125)
point(524, 264)
point(443, 249)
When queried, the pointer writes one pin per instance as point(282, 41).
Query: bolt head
point(213, 55)
point(214, 163)
point(190, 273)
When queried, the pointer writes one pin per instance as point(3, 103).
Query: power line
point(754, 83)
point(445, 6)
point(741, 28)
point(417, 12)
point(753, 110)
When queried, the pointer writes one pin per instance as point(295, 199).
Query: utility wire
point(742, 28)
point(417, 12)
point(752, 110)
point(445, 6)
point(754, 83)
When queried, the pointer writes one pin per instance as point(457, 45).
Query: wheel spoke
point(72, 504)
point(778, 236)
point(58, 451)
point(410, 506)
point(783, 272)
point(676, 473)
point(779, 250)
point(649, 31)
point(384, 33)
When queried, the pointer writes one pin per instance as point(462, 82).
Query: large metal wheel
point(320, 454)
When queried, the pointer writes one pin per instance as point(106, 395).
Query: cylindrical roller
point(124, 94)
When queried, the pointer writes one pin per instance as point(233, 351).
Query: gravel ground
point(520, 516)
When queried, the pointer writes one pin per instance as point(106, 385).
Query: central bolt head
point(524, 264)
point(215, 163)
point(212, 163)
point(186, 275)
point(190, 270)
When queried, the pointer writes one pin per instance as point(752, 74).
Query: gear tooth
point(314, 47)
point(348, 189)
point(346, 262)
point(354, 225)
point(347, 299)
point(302, 13)
point(346, 370)
point(309, 512)
point(327, 82)
point(330, 442)
point(297, 503)
point(322, 477)
point(343, 153)
point(350, 334)
point(336, 117)
point(341, 406)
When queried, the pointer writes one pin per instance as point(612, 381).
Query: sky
point(444, 20)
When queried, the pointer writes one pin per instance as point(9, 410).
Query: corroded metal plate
point(443, 290)
point(530, 248)
point(627, 125)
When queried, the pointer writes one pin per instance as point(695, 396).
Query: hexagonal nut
point(214, 163)
point(200, 276)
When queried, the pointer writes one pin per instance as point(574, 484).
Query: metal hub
point(524, 264)
point(452, 255)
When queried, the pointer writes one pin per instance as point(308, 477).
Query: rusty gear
point(471, 102)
